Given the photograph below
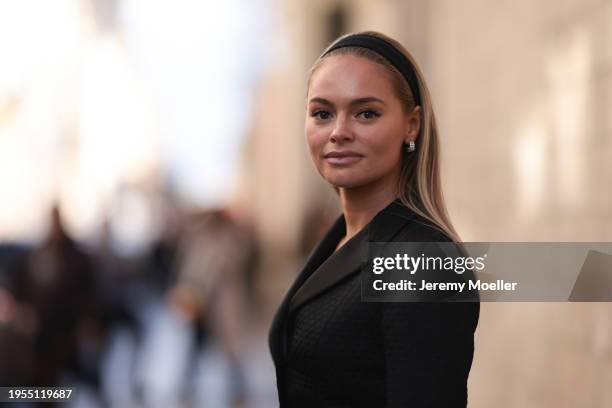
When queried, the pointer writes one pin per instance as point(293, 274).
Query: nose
point(341, 131)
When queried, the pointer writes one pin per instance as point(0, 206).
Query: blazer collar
point(326, 268)
point(335, 266)
point(278, 343)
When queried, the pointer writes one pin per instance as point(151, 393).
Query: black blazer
point(332, 350)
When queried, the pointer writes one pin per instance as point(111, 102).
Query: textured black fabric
point(332, 350)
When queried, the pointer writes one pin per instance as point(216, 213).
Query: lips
point(342, 158)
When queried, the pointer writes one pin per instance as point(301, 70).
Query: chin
point(346, 180)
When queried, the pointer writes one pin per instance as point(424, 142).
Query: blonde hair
point(420, 187)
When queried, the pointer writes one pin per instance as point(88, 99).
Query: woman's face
point(355, 123)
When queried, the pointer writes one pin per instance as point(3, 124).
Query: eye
point(320, 114)
point(368, 114)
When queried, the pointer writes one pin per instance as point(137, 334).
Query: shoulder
point(399, 223)
point(422, 230)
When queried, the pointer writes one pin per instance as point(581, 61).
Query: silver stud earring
point(410, 146)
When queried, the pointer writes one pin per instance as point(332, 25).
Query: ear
point(413, 124)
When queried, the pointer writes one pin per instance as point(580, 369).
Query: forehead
point(349, 76)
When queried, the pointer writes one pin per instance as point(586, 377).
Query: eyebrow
point(358, 101)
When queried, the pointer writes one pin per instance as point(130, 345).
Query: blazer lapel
point(321, 252)
point(324, 268)
point(339, 265)
point(349, 259)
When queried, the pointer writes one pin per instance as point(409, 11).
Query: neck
point(361, 204)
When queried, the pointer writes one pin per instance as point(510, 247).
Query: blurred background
point(157, 198)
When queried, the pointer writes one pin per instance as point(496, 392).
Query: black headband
point(387, 51)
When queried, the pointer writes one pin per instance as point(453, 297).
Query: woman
point(371, 132)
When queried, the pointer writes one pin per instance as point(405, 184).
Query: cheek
point(316, 139)
point(385, 144)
